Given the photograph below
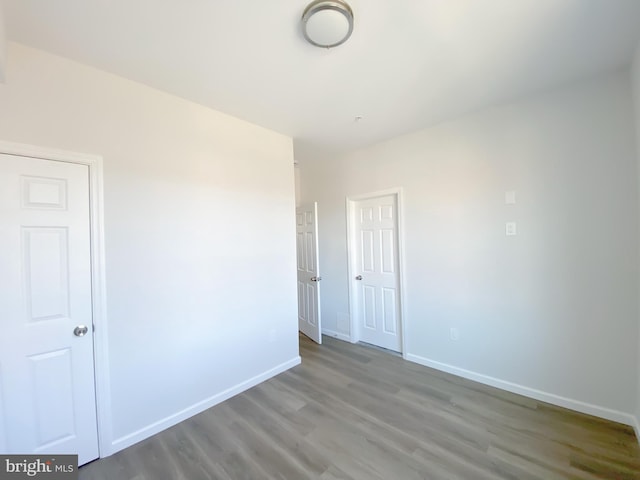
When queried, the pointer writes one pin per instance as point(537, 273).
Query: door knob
point(359, 277)
point(80, 330)
point(316, 279)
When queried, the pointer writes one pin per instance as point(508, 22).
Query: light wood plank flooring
point(353, 412)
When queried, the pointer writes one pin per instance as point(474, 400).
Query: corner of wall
point(296, 179)
point(635, 86)
point(175, 418)
point(635, 68)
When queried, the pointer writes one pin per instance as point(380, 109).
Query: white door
point(47, 396)
point(308, 275)
point(376, 281)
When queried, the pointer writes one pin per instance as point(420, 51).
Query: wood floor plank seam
point(352, 412)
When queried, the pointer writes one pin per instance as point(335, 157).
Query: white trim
point(353, 337)
point(340, 336)
point(402, 279)
point(98, 271)
point(167, 422)
point(577, 405)
point(24, 150)
point(636, 427)
point(349, 203)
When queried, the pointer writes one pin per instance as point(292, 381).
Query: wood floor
point(352, 412)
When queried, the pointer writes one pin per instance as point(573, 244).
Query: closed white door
point(308, 274)
point(376, 281)
point(47, 395)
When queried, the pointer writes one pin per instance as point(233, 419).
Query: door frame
point(354, 331)
point(98, 279)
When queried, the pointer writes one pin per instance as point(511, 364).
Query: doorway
point(375, 269)
point(50, 302)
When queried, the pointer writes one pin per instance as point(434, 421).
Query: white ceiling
point(409, 63)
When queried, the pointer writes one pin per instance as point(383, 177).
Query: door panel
point(47, 401)
point(308, 274)
point(310, 243)
point(46, 272)
point(52, 386)
point(368, 264)
point(387, 248)
point(376, 282)
point(369, 306)
point(389, 309)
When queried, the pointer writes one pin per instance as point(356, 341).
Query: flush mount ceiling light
point(327, 23)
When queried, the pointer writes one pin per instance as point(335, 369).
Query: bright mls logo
point(52, 467)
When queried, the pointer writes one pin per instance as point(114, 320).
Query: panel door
point(308, 273)
point(47, 393)
point(377, 299)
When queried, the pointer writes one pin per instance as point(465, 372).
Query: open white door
point(47, 391)
point(308, 274)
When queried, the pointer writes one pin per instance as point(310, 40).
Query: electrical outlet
point(510, 229)
point(454, 333)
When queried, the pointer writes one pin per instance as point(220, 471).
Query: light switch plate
point(454, 333)
point(510, 229)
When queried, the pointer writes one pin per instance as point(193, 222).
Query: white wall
point(552, 310)
point(635, 85)
point(296, 178)
point(199, 219)
point(3, 45)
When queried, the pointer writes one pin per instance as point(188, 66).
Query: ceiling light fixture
point(327, 24)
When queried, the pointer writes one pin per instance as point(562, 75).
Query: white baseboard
point(340, 336)
point(156, 427)
point(577, 405)
point(636, 427)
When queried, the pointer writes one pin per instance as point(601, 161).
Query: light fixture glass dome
point(327, 23)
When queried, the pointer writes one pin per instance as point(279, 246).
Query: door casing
point(354, 333)
point(98, 282)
